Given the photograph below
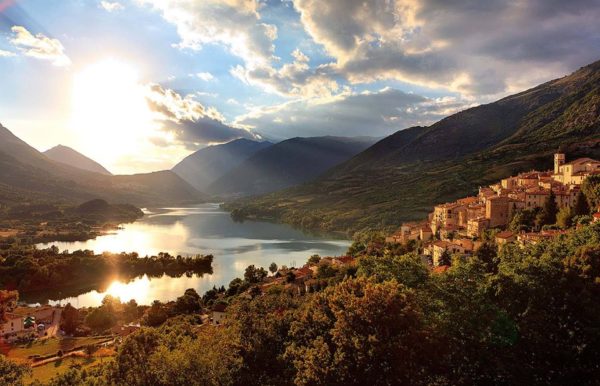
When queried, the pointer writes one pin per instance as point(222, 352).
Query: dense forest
point(521, 315)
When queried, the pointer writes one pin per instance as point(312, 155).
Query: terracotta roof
point(345, 259)
point(505, 235)
point(537, 192)
point(11, 316)
point(220, 307)
point(448, 205)
point(581, 161)
point(303, 271)
point(498, 198)
point(529, 176)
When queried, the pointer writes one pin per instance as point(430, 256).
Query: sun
point(110, 117)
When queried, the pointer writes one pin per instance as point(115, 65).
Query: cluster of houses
point(453, 227)
point(26, 321)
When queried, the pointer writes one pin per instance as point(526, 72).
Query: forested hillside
point(404, 175)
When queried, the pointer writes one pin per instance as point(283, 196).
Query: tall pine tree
point(582, 207)
point(550, 210)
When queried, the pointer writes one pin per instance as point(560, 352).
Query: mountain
point(402, 176)
point(28, 176)
point(288, 163)
point(69, 156)
point(203, 167)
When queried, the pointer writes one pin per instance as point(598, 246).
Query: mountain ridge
point(288, 163)
point(402, 176)
point(203, 167)
point(26, 175)
point(70, 156)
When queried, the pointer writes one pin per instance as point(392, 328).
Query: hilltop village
point(458, 227)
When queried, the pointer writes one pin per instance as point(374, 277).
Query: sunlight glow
point(137, 290)
point(110, 117)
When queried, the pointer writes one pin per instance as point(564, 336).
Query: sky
point(138, 85)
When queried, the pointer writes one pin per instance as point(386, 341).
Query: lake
point(202, 229)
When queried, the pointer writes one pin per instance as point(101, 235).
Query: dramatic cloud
point(39, 46)
point(233, 23)
point(189, 121)
point(111, 6)
point(350, 114)
point(476, 47)
point(292, 79)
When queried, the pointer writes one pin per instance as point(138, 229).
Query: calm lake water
point(203, 229)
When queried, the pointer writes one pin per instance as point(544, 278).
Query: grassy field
point(48, 371)
point(21, 353)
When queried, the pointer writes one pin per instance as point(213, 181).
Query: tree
point(188, 303)
point(325, 270)
point(407, 269)
point(273, 268)
point(487, 255)
point(12, 374)
point(314, 259)
point(111, 304)
point(522, 220)
point(131, 311)
point(445, 258)
point(254, 275)
point(236, 286)
point(548, 214)
point(581, 208)
point(591, 190)
point(290, 277)
point(564, 218)
point(100, 319)
point(69, 319)
point(133, 367)
point(155, 315)
point(357, 333)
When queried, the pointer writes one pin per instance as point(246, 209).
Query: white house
point(12, 326)
point(218, 314)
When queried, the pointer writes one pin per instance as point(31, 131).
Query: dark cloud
point(189, 121)
point(373, 113)
point(477, 47)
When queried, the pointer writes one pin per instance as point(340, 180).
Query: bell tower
point(559, 160)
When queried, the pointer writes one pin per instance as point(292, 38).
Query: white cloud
point(205, 76)
point(190, 122)
point(295, 79)
point(233, 23)
point(39, 46)
point(6, 54)
point(111, 6)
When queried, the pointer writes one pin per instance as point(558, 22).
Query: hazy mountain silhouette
point(288, 163)
point(203, 167)
point(69, 156)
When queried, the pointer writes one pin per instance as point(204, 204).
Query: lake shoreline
point(200, 229)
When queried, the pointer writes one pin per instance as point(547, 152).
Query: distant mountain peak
point(202, 168)
point(72, 157)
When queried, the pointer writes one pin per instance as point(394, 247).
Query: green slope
point(401, 177)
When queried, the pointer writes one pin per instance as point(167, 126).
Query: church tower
point(559, 160)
